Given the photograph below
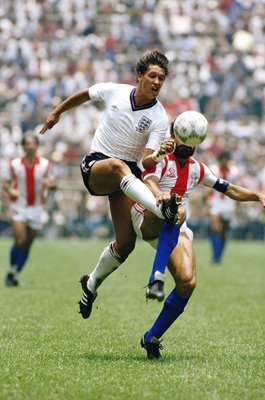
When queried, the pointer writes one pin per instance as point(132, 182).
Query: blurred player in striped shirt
point(221, 207)
point(26, 182)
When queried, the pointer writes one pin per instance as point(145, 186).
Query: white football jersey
point(28, 180)
point(125, 129)
point(181, 180)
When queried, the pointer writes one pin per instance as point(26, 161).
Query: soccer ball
point(190, 128)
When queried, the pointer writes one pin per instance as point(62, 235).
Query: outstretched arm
point(239, 193)
point(74, 100)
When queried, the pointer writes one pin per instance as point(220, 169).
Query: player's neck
point(30, 160)
point(140, 99)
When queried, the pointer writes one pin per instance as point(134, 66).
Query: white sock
point(13, 270)
point(108, 262)
point(139, 192)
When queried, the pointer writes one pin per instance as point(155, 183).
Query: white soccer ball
point(190, 128)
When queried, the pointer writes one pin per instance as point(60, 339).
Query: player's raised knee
point(118, 168)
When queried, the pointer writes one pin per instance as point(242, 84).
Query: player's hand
point(50, 122)
point(167, 146)
point(181, 215)
point(13, 193)
point(48, 183)
point(162, 196)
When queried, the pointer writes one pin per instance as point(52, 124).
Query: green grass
point(214, 351)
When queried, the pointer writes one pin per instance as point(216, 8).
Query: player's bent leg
point(168, 239)
point(182, 268)
point(113, 255)
point(105, 176)
point(109, 175)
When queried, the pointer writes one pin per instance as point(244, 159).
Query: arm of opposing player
point(74, 100)
point(152, 157)
point(240, 193)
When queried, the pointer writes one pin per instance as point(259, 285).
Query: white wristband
point(157, 156)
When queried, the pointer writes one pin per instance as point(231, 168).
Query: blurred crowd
point(51, 48)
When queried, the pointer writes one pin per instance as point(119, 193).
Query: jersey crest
point(171, 173)
point(143, 124)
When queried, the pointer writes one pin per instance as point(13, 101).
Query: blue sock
point(22, 258)
point(216, 247)
point(13, 255)
point(173, 306)
point(221, 248)
point(168, 239)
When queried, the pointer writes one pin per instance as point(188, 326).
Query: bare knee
point(124, 249)
point(186, 285)
point(119, 168)
point(20, 242)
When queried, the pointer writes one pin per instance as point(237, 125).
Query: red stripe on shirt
point(30, 184)
point(148, 171)
point(182, 180)
point(202, 171)
point(30, 181)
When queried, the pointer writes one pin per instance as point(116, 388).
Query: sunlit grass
point(214, 351)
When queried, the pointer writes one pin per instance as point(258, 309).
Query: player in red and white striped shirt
point(26, 182)
point(177, 173)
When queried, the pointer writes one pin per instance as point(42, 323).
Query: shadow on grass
point(166, 359)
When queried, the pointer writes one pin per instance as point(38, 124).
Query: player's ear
point(139, 77)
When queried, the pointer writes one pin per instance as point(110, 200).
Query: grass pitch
point(215, 350)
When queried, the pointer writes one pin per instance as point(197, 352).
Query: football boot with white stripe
point(169, 209)
point(87, 300)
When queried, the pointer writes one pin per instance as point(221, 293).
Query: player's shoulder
point(161, 108)
point(15, 162)
point(42, 160)
point(112, 86)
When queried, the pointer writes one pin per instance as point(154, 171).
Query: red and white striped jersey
point(29, 180)
point(181, 180)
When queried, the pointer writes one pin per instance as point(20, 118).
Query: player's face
point(183, 152)
point(30, 147)
point(151, 82)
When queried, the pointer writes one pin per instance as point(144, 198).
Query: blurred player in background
point(26, 183)
point(178, 173)
point(221, 208)
point(133, 126)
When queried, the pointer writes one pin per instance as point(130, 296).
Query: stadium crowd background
point(51, 48)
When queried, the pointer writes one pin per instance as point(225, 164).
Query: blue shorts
point(89, 160)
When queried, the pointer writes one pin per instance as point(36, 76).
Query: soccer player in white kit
point(132, 128)
point(178, 173)
point(221, 208)
point(26, 182)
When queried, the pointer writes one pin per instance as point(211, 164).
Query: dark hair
point(152, 57)
point(25, 137)
point(224, 155)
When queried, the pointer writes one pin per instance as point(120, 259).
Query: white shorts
point(137, 220)
point(32, 215)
